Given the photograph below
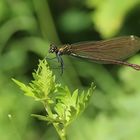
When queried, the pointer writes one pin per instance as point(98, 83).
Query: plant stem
point(61, 132)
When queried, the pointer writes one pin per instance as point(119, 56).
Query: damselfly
point(112, 51)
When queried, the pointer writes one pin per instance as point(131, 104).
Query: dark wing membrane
point(114, 49)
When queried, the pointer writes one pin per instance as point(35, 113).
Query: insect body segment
point(60, 51)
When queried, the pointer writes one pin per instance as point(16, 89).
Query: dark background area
point(27, 27)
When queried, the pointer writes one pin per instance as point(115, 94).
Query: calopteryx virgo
point(112, 51)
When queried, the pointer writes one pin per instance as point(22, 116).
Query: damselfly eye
point(53, 48)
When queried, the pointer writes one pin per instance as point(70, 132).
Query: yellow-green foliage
point(61, 105)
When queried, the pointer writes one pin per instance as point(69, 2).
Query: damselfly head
point(53, 48)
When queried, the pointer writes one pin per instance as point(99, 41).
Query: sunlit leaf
point(109, 15)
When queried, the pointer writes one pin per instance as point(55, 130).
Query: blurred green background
point(27, 27)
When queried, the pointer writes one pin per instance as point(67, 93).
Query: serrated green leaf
point(69, 105)
point(46, 118)
point(42, 85)
point(28, 91)
point(40, 117)
point(74, 98)
point(84, 97)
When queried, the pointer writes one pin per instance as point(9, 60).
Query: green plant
point(62, 106)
